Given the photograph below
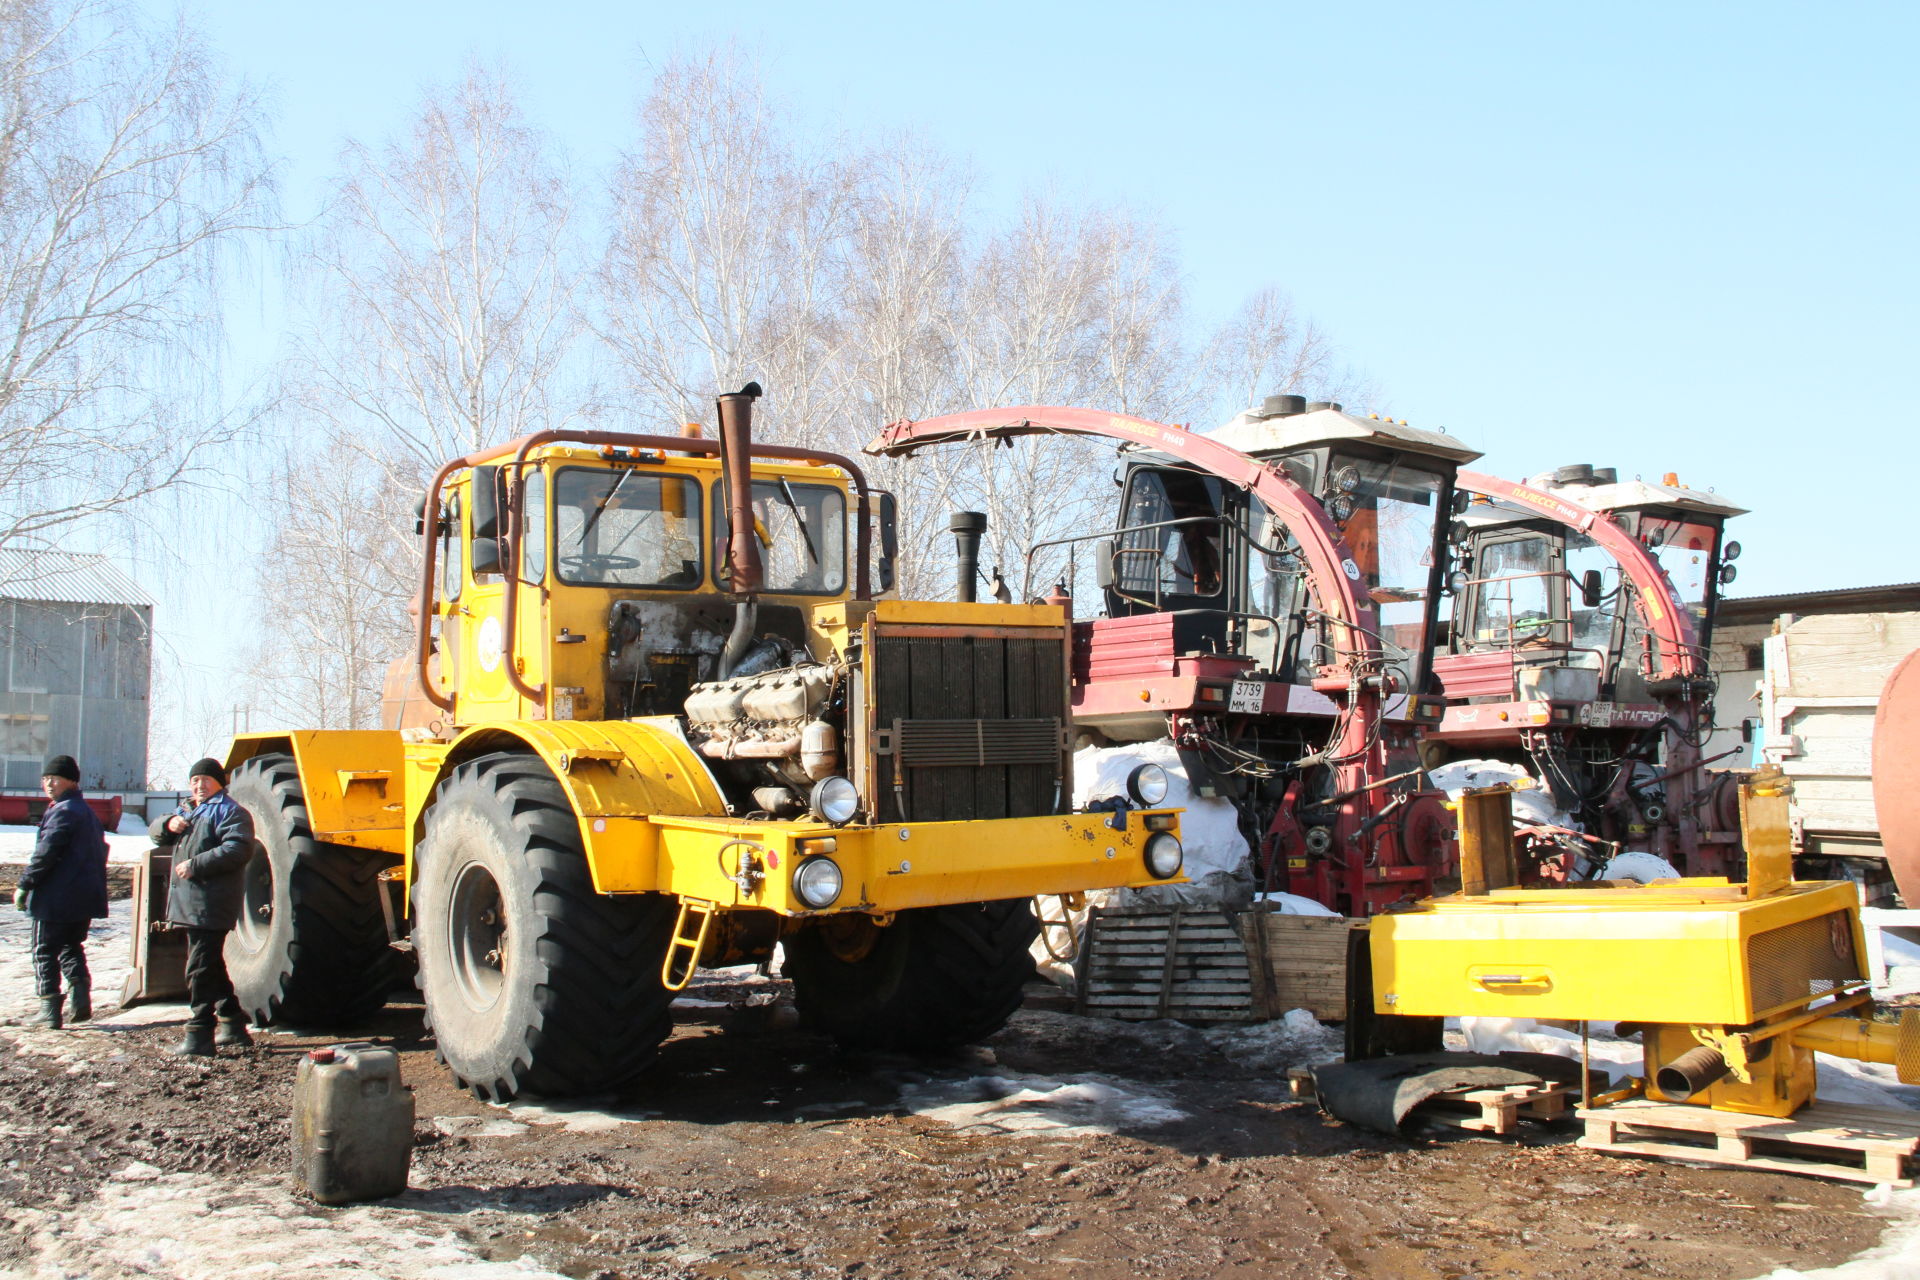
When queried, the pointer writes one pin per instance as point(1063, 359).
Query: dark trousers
point(209, 989)
point(60, 947)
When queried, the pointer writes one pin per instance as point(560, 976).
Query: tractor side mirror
point(1103, 574)
point(486, 505)
point(1591, 588)
point(889, 541)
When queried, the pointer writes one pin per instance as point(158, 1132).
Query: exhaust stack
point(745, 572)
point(967, 527)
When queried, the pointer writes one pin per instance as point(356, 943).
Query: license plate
point(1247, 697)
point(1597, 715)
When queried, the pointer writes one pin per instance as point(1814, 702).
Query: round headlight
point(817, 882)
point(1164, 855)
point(1340, 507)
point(1346, 479)
point(833, 800)
point(1147, 784)
point(1457, 581)
point(1731, 551)
point(1727, 574)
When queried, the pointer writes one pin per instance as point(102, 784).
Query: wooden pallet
point(1298, 962)
point(1497, 1111)
point(1176, 962)
point(1825, 1140)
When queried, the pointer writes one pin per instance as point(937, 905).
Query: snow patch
point(1297, 1040)
point(129, 847)
point(584, 1116)
point(188, 1226)
point(1896, 1257)
point(1070, 1106)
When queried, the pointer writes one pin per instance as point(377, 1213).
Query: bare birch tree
point(130, 173)
point(442, 321)
point(442, 277)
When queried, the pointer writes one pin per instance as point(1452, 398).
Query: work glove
point(19, 898)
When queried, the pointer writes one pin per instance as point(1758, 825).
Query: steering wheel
point(582, 564)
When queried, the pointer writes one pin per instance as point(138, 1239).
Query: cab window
point(626, 528)
point(1511, 605)
point(533, 527)
point(1174, 560)
point(802, 530)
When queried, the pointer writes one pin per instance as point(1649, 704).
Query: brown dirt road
point(754, 1150)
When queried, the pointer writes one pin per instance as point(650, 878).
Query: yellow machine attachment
point(1734, 986)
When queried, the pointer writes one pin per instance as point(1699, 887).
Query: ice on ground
point(584, 1115)
point(125, 846)
point(144, 1222)
point(1069, 1106)
point(1297, 1040)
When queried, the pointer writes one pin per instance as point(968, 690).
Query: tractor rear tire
point(311, 948)
point(936, 978)
point(535, 983)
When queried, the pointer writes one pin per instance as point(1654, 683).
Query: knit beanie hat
point(208, 767)
point(60, 767)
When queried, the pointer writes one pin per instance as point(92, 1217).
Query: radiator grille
point(1807, 958)
point(927, 744)
point(969, 726)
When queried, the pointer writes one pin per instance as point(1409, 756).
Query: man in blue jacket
point(64, 889)
point(215, 843)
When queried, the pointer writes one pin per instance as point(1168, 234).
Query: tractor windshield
point(803, 536)
point(626, 528)
point(1182, 551)
point(1513, 605)
point(1391, 533)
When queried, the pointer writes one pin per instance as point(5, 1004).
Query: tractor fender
point(350, 781)
point(617, 774)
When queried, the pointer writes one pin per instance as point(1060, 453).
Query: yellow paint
point(1640, 955)
point(350, 778)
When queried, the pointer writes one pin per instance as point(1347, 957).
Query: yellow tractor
point(661, 721)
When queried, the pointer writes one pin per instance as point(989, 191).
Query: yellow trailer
point(660, 717)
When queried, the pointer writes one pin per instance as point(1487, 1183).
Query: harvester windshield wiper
point(786, 496)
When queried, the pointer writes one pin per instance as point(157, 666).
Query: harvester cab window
point(1277, 595)
point(802, 530)
point(1391, 533)
point(1511, 602)
point(1591, 627)
point(1183, 560)
point(1686, 551)
point(533, 527)
point(626, 528)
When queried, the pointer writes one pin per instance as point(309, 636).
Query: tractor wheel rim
point(255, 925)
point(477, 937)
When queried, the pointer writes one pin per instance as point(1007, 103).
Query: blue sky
point(1663, 237)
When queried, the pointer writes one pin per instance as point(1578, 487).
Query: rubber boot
point(80, 1005)
point(198, 1043)
point(49, 1015)
point(232, 1035)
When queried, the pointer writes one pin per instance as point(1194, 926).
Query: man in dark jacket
point(214, 844)
point(64, 889)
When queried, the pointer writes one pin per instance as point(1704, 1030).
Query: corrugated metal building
point(76, 645)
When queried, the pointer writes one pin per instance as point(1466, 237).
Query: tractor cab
point(602, 571)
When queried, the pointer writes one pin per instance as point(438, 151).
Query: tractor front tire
point(936, 978)
point(311, 947)
point(535, 983)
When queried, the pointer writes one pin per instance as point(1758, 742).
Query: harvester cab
point(1271, 593)
point(1577, 651)
point(659, 720)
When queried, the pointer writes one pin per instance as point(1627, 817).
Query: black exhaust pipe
point(967, 527)
point(1698, 1068)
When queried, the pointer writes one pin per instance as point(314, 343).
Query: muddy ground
point(755, 1150)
